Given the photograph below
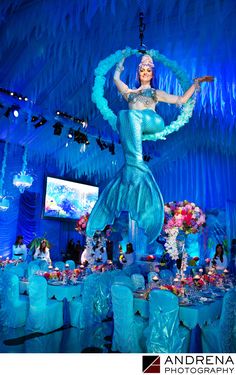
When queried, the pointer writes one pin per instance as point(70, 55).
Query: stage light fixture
point(12, 110)
point(101, 143)
point(40, 123)
point(57, 128)
point(70, 133)
point(80, 137)
point(112, 148)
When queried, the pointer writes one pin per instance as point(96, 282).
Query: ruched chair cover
point(88, 313)
point(219, 337)
point(151, 275)
point(43, 265)
point(33, 267)
point(71, 264)
point(44, 315)
point(138, 281)
point(60, 265)
point(14, 307)
point(128, 332)
point(131, 269)
point(166, 276)
point(164, 333)
point(20, 269)
point(123, 280)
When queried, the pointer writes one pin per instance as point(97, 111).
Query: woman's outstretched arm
point(121, 86)
point(162, 96)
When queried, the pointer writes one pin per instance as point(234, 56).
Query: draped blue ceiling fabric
point(49, 51)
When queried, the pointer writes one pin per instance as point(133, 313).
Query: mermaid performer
point(134, 188)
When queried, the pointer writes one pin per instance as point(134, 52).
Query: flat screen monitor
point(68, 199)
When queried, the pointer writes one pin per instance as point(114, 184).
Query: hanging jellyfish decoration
point(22, 180)
point(134, 188)
point(4, 201)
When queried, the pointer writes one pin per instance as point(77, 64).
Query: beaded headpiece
point(146, 61)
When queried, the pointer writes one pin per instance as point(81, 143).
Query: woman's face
point(43, 244)
point(145, 74)
point(218, 250)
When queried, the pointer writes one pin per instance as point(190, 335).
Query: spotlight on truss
point(57, 128)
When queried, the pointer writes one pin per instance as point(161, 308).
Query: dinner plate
point(55, 283)
point(187, 304)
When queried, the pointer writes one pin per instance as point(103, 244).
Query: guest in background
point(219, 261)
point(100, 254)
point(78, 251)
point(232, 265)
point(109, 248)
point(127, 258)
point(70, 249)
point(42, 252)
point(19, 249)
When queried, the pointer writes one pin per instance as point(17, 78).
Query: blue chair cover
point(164, 334)
point(138, 281)
point(60, 265)
point(43, 265)
point(33, 267)
point(88, 316)
point(150, 276)
point(219, 337)
point(14, 307)
point(123, 280)
point(131, 269)
point(71, 264)
point(128, 329)
point(44, 315)
point(166, 276)
point(19, 269)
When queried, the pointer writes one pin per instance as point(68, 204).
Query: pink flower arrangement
point(185, 216)
point(82, 223)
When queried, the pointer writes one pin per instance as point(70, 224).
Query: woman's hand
point(120, 65)
point(204, 79)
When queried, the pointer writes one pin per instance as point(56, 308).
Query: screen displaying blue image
point(68, 200)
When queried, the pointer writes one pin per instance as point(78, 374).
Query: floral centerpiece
point(70, 275)
point(181, 218)
point(81, 224)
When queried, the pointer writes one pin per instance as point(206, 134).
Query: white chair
point(60, 265)
point(14, 307)
point(71, 264)
point(138, 281)
point(128, 329)
point(219, 337)
point(164, 333)
point(44, 315)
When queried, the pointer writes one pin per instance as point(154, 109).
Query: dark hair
point(222, 252)
point(18, 238)
point(153, 82)
point(41, 248)
point(129, 248)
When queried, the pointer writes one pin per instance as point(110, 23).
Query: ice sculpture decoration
point(22, 180)
point(4, 201)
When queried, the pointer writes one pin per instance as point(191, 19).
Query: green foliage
point(37, 241)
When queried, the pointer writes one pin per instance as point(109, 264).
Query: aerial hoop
point(105, 65)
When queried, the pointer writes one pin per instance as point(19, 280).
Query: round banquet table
point(60, 291)
point(193, 317)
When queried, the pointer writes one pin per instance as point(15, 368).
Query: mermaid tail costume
point(133, 188)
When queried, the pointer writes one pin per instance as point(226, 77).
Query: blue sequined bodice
point(146, 96)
